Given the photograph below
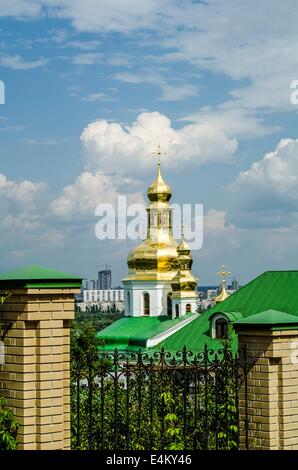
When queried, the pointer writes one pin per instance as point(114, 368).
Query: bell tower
point(153, 263)
point(184, 284)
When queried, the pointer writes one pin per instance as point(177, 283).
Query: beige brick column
point(35, 374)
point(272, 388)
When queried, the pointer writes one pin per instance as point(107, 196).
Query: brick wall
point(272, 389)
point(35, 375)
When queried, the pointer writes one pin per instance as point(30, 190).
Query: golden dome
point(184, 280)
point(183, 248)
point(159, 190)
point(153, 260)
point(223, 295)
point(156, 257)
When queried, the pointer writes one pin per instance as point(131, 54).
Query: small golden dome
point(159, 190)
point(184, 281)
point(183, 248)
point(223, 295)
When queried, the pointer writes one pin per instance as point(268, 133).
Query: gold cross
point(158, 153)
point(223, 273)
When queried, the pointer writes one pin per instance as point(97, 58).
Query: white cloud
point(88, 58)
point(255, 41)
point(276, 174)
point(232, 119)
point(170, 92)
point(83, 45)
point(24, 193)
point(18, 205)
point(16, 62)
point(178, 92)
point(115, 15)
point(87, 192)
point(98, 97)
point(130, 77)
point(215, 220)
point(112, 147)
point(43, 142)
point(52, 238)
point(12, 128)
point(119, 60)
point(20, 8)
point(116, 154)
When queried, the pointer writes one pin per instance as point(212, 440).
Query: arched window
point(146, 304)
point(169, 303)
point(177, 311)
point(188, 308)
point(128, 303)
point(221, 328)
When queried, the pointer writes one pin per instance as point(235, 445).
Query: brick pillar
point(35, 375)
point(272, 388)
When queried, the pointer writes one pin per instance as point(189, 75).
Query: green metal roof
point(135, 331)
point(195, 337)
point(39, 277)
point(232, 316)
point(272, 290)
point(271, 298)
point(277, 290)
point(269, 317)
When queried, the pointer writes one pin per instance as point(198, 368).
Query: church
point(161, 309)
point(160, 288)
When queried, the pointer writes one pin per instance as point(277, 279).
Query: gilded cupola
point(223, 295)
point(159, 191)
point(184, 279)
point(156, 256)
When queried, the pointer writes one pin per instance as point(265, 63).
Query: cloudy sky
point(91, 88)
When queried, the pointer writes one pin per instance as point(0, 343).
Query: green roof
point(271, 299)
point(272, 290)
point(38, 276)
point(130, 332)
point(195, 337)
point(269, 317)
point(277, 290)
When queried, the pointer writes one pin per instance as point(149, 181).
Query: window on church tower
point(188, 308)
point(177, 311)
point(146, 304)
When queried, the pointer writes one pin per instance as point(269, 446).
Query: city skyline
point(91, 92)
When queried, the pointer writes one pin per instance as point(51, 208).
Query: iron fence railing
point(157, 401)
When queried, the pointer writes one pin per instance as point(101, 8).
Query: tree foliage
point(136, 406)
point(8, 427)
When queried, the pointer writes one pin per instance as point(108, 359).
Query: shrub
point(8, 427)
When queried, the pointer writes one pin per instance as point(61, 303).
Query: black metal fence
point(157, 401)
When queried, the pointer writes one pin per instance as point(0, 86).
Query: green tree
point(8, 427)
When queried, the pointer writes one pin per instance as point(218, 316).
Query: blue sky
point(93, 87)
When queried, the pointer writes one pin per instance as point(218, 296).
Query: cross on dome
point(158, 153)
point(223, 273)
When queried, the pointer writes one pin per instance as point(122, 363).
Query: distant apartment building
point(235, 284)
point(103, 298)
point(103, 295)
point(104, 280)
point(211, 293)
point(92, 284)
